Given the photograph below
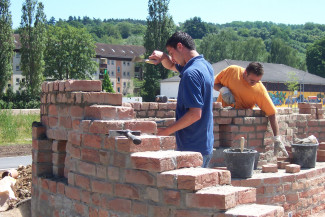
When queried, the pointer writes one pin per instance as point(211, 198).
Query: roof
point(274, 73)
point(118, 51)
point(106, 50)
point(17, 42)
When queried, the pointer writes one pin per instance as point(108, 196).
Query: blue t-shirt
point(196, 91)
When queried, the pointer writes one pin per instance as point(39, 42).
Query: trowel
point(141, 60)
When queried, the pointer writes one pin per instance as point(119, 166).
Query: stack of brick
point(104, 174)
point(300, 192)
point(314, 109)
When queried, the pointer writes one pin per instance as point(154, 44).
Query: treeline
point(260, 41)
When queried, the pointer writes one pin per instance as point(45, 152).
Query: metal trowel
point(141, 60)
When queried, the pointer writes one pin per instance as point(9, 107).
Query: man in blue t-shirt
point(194, 116)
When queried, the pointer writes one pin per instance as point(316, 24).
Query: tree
point(195, 27)
point(32, 36)
point(107, 84)
point(282, 53)
point(6, 44)
point(292, 84)
point(159, 29)
point(315, 58)
point(69, 53)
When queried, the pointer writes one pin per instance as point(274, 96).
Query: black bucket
point(305, 154)
point(257, 158)
point(240, 164)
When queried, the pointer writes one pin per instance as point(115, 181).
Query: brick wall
point(83, 167)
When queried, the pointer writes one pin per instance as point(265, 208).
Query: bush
point(19, 100)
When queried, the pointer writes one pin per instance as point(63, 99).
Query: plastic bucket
point(304, 154)
point(240, 164)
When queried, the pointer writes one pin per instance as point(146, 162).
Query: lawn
point(16, 128)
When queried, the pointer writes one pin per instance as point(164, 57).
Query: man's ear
point(179, 45)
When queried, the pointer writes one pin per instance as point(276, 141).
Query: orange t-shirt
point(246, 96)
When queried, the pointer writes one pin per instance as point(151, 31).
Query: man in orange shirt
point(242, 89)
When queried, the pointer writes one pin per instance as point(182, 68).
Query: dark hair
point(183, 38)
point(255, 68)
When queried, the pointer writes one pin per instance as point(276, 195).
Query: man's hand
point(227, 95)
point(158, 56)
point(279, 146)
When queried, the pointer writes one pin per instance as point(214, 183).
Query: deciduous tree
point(159, 28)
point(315, 58)
point(32, 36)
point(6, 44)
point(69, 53)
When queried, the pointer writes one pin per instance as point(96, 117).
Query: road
point(14, 162)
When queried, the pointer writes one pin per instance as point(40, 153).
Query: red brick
point(292, 168)
point(101, 112)
point(148, 127)
point(53, 121)
point(44, 145)
point(223, 197)
point(53, 110)
point(42, 157)
point(64, 110)
point(270, 168)
point(93, 212)
point(93, 141)
point(127, 191)
point(102, 213)
point(167, 142)
point(86, 168)
point(65, 122)
point(100, 126)
point(172, 197)
point(59, 146)
point(125, 113)
point(80, 208)
point(82, 181)
point(101, 187)
point(72, 193)
point(38, 132)
point(57, 134)
point(90, 155)
point(119, 205)
point(113, 173)
point(83, 85)
point(147, 144)
point(139, 208)
point(52, 186)
point(139, 177)
point(58, 158)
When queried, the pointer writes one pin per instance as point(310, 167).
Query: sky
point(212, 11)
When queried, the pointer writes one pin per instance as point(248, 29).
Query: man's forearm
point(193, 115)
point(274, 125)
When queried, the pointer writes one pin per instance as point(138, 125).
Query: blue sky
point(214, 11)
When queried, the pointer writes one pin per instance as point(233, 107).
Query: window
point(118, 69)
point(113, 84)
point(112, 61)
point(112, 73)
point(107, 62)
point(123, 62)
point(18, 68)
point(124, 84)
point(9, 85)
point(23, 80)
point(128, 63)
point(118, 90)
point(124, 74)
point(128, 74)
point(118, 80)
point(17, 81)
point(17, 55)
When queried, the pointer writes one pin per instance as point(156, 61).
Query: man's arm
point(274, 125)
point(217, 86)
point(191, 116)
point(164, 59)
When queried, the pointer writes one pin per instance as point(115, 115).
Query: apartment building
point(116, 60)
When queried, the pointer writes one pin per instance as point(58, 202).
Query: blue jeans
point(206, 160)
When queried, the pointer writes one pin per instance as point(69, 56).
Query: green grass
point(16, 129)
